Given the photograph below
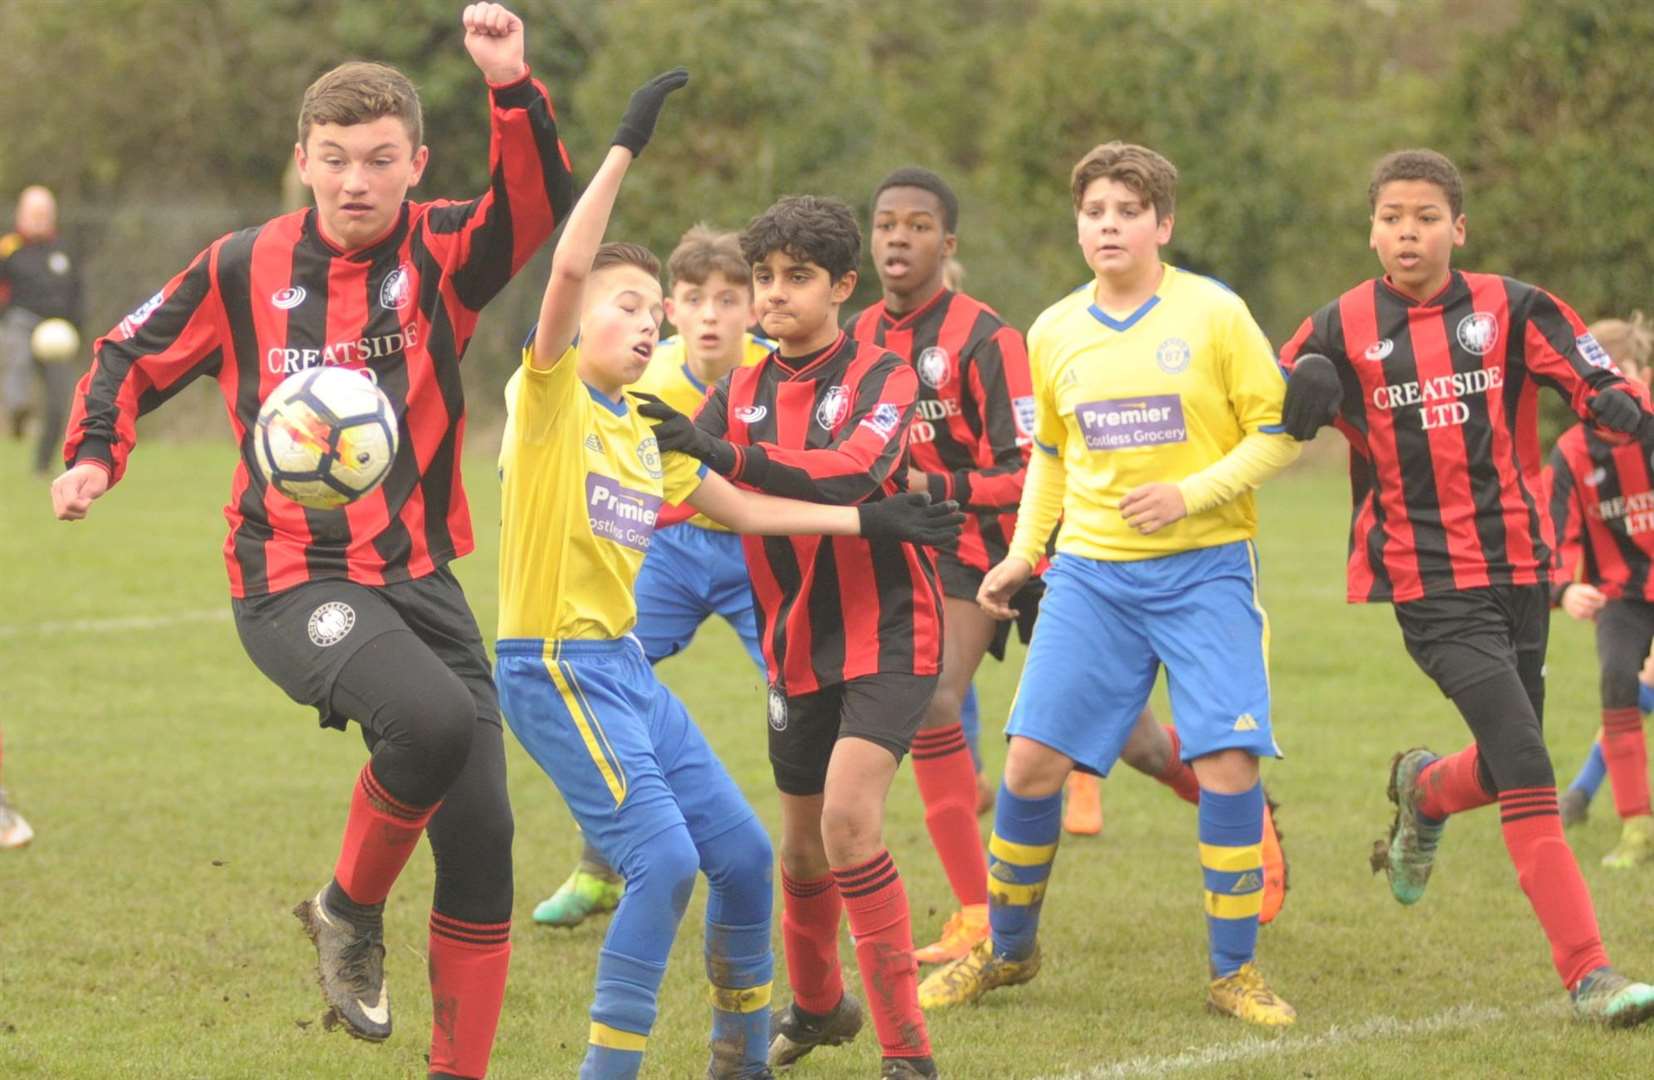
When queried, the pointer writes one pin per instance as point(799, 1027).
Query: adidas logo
point(1249, 882)
point(1245, 722)
point(594, 444)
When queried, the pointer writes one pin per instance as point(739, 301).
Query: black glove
point(1616, 410)
point(911, 518)
point(1313, 395)
point(675, 431)
point(638, 125)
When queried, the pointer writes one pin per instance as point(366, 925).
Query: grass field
point(183, 805)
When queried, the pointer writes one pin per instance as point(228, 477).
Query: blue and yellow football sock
point(622, 1015)
point(970, 718)
point(1591, 773)
point(1231, 859)
point(740, 966)
point(1020, 852)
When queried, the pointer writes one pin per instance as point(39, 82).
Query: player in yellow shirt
point(1157, 410)
point(583, 482)
point(695, 568)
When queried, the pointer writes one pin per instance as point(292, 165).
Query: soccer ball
point(54, 341)
point(325, 437)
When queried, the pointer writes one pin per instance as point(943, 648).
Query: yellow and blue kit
point(695, 569)
point(583, 482)
point(1184, 390)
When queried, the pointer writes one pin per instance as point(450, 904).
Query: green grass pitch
point(183, 805)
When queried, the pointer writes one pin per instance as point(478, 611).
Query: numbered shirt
point(1150, 396)
point(1440, 410)
point(973, 422)
point(582, 483)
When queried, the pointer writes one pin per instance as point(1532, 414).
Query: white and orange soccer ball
point(325, 437)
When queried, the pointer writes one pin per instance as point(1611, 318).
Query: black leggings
point(1625, 628)
point(428, 744)
point(1507, 719)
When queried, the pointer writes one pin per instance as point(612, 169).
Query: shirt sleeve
point(541, 397)
point(485, 241)
point(1256, 390)
point(862, 455)
point(997, 374)
point(1567, 519)
point(1553, 347)
point(683, 475)
point(177, 336)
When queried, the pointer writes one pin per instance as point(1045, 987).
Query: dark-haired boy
point(1156, 412)
point(1432, 374)
point(355, 611)
point(851, 629)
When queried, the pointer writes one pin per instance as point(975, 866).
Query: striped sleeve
point(862, 454)
point(1568, 522)
point(485, 241)
point(175, 337)
point(1551, 346)
point(999, 381)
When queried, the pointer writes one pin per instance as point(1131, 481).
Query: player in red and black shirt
point(1432, 375)
point(354, 611)
point(1602, 506)
point(851, 628)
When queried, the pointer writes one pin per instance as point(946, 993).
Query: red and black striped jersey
point(973, 423)
point(1440, 410)
point(1602, 508)
point(830, 427)
point(260, 304)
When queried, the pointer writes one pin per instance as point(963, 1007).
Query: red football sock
point(1450, 785)
point(883, 929)
point(1626, 753)
point(380, 834)
point(1546, 869)
point(810, 913)
point(467, 967)
point(947, 783)
point(1179, 774)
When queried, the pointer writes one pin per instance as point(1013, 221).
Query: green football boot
point(1608, 998)
point(1636, 845)
point(584, 894)
point(1411, 852)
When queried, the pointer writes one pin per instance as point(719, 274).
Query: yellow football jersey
point(668, 377)
point(582, 482)
point(1157, 396)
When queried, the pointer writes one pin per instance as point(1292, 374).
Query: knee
point(849, 832)
point(804, 860)
point(664, 869)
point(740, 857)
point(440, 723)
point(1519, 764)
point(1033, 771)
point(944, 708)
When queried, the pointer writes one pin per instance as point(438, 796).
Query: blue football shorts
point(618, 744)
point(689, 575)
point(1105, 629)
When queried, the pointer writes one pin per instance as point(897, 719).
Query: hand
point(1313, 396)
point(1582, 601)
point(74, 490)
point(1000, 584)
point(917, 479)
point(637, 127)
point(1646, 675)
point(675, 431)
point(911, 518)
point(494, 38)
point(1616, 410)
point(1152, 507)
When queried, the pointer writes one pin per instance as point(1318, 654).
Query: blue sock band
point(740, 965)
point(1020, 852)
point(1591, 773)
point(970, 718)
point(1231, 861)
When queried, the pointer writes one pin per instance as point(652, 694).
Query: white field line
point(1253, 1048)
point(101, 626)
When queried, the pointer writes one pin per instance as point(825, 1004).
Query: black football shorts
point(883, 708)
point(1464, 637)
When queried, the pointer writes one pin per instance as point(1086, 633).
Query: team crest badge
point(751, 414)
point(934, 367)
point(58, 263)
point(1173, 356)
point(330, 623)
point(396, 291)
point(778, 709)
point(836, 402)
point(884, 418)
point(1379, 350)
point(289, 298)
point(1023, 409)
point(1593, 352)
point(1478, 333)
point(648, 452)
point(1596, 476)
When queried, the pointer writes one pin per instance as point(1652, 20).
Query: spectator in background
point(38, 280)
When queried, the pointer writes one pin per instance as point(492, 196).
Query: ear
point(670, 309)
point(1163, 229)
point(302, 160)
point(843, 287)
point(1372, 233)
point(1459, 231)
point(420, 158)
point(950, 244)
